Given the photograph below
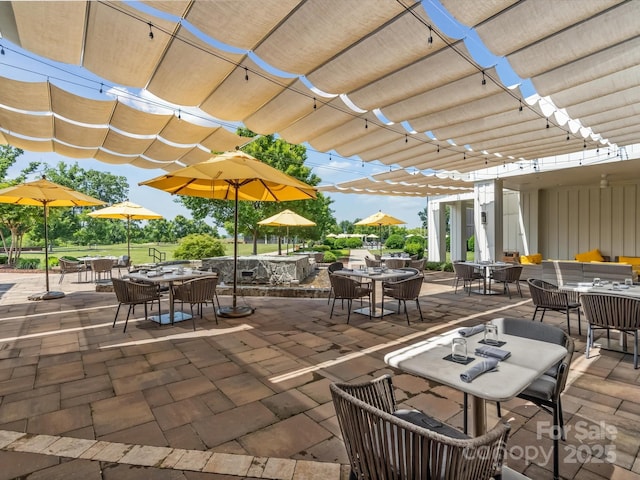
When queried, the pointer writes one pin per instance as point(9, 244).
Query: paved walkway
point(249, 397)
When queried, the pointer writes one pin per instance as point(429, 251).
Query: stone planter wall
point(258, 269)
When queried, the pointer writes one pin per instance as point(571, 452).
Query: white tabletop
point(426, 359)
point(587, 287)
point(168, 276)
point(375, 273)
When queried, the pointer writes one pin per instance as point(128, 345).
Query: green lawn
point(140, 253)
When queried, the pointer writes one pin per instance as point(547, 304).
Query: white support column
point(458, 240)
point(437, 247)
point(488, 220)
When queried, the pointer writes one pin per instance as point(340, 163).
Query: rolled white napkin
point(479, 368)
point(468, 331)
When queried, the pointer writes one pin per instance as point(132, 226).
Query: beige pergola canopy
point(365, 78)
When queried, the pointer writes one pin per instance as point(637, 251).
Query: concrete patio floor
point(249, 397)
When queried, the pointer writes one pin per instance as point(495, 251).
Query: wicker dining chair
point(345, 288)
point(547, 296)
point(468, 274)
point(612, 312)
point(70, 266)
point(101, 267)
point(403, 290)
point(383, 444)
point(198, 291)
point(506, 276)
point(394, 263)
point(132, 294)
point(372, 262)
point(335, 266)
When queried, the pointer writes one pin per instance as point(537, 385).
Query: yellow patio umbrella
point(380, 218)
point(287, 218)
point(233, 176)
point(126, 211)
point(46, 194)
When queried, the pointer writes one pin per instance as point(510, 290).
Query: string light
point(246, 74)
point(438, 151)
point(520, 107)
point(464, 156)
point(314, 103)
point(567, 136)
point(484, 80)
point(547, 123)
point(366, 123)
point(101, 88)
point(1, 49)
point(430, 38)
point(179, 114)
point(406, 138)
point(150, 30)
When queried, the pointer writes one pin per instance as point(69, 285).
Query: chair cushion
point(590, 256)
point(541, 388)
point(425, 421)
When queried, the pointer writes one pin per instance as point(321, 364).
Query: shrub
point(439, 266)
point(28, 263)
point(198, 246)
point(354, 242)
point(414, 249)
point(471, 243)
point(3, 259)
point(394, 241)
point(329, 257)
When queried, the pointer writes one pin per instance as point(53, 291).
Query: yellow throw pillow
point(591, 256)
point(534, 259)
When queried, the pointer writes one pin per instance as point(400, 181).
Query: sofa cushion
point(590, 256)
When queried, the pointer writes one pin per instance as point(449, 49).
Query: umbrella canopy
point(380, 219)
point(287, 218)
point(46, 194)
point(233, 176)
point(126, 211)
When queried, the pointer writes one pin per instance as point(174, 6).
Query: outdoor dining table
point(485, 268)
point(169, 277)
point(513, 375)
point(374, 274)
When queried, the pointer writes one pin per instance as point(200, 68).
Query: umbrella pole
point(234, 311)
point(46, 249)
point(129, 237)
point(47, 295)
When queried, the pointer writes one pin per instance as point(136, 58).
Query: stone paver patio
point(249, 397)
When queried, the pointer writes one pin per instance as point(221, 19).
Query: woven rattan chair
point(506, 276)
point(123, 262)
point(545, 391)
point(70, 266)
point(394, 263)
point(609, 311)
point(345, 288)
point(372, 262)
point(132, 294)
point(468, 274)
point(403, 290)
point(101, 267)
point(198, 291)
point(382, 445)
point(418, 264)
point(330, 269)
point(546, 296)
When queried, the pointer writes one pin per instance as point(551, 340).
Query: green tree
point(72, 225)
point(287, 158)
point(15, 220)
